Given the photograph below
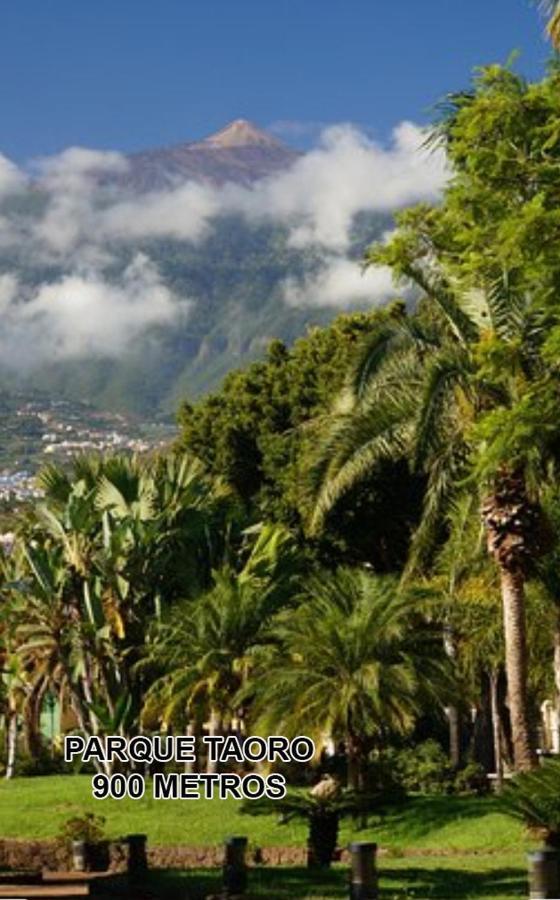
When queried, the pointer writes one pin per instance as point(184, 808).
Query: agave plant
point(534, 797)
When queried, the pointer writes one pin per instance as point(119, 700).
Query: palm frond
point(445, 374)
point(551, 9)
point(356, 445)
point(460, 324)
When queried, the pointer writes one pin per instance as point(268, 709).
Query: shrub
point(534, 797)
point(422, 769)
point(471, 780)
point(322, 808)
point(44, 763)
point(89, 828)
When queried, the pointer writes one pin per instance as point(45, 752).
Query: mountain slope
point(227, 286)
point(240, 153)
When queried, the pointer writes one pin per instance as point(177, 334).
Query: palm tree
point(206, 648)
point(469, 596)
point(416, 391)
point(466, 388)
point(322, 808)
point(353, 663)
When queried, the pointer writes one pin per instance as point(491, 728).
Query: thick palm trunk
point(454, 722)
point(513, 598)
point(32, 720)
point(516, 537)
point(354, 767)
point(191, 732)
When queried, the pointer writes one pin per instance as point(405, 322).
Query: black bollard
point(363, 879)
point(544, 874)
point(235, 869)
point(137, 856)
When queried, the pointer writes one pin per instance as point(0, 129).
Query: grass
point(37, 807)
point(462, 847)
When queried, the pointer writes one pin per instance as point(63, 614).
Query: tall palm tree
point(467, 388)
point(353, 662)
point(417, 391)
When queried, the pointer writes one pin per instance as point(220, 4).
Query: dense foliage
point(355, 537)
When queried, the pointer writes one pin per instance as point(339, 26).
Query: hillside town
point(39, 430)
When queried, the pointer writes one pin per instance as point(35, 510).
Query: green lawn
point(36, 808)
point(482, 851)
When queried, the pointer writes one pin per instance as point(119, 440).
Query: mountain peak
point(241, 153)
point(241, 133)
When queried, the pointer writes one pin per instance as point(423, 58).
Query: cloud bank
point(82, 315)
point(104, 294)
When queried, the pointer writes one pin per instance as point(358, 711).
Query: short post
point(363, 878)
point(235, 869)
point(544, 874)
point(137, 856)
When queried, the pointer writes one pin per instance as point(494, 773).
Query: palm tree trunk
point(452, 712)
point(516, 537)
point(556, 640)
point(353, 768)
point(214, 728)
point(496, 731)
point(513, 597)
point(454, 723)
point(32, 719)
point(11, 730)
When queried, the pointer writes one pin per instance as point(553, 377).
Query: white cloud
point(183, 213)
point(76, 164)
point(70, 180)
point(340, 283)
point(83, 315)
point(82, 229)
point(12, 179)
point(346, 174)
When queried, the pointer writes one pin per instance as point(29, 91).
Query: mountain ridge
point(241, 152)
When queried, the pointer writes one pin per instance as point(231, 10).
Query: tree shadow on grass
point(453, 884)
point(294, 883)
point(419, 816)
point(274, 883)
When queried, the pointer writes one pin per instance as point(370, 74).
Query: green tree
point(354, 663)
point(116, 541)
point(205, 650)
point(258, 431)
point(467, 387)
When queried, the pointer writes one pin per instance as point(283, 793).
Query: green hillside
point(234, 281)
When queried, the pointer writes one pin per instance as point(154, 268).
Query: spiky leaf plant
point(534, 797)
point(322, 811)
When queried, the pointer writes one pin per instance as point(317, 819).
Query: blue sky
point(129, 74)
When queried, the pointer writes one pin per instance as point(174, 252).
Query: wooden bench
point(27, 891)
point(49, 876)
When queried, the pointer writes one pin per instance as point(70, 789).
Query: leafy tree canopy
point(258, 431)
